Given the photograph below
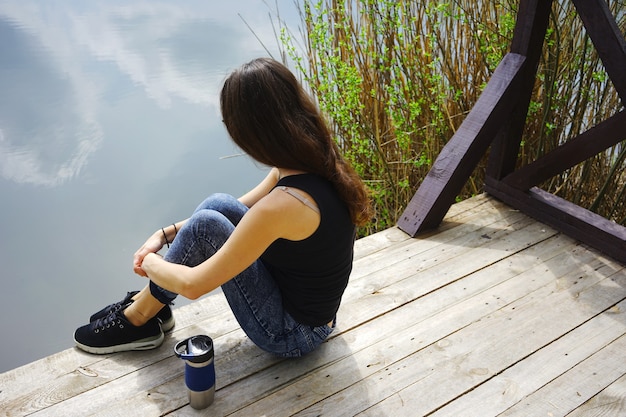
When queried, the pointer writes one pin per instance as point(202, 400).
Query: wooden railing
point(498, 119)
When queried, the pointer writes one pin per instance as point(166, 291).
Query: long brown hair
point(270, 117)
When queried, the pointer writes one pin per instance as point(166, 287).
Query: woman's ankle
point(143, 308)
point(135, 317)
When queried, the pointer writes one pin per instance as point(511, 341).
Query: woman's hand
point(149, 263)
point(152, 245)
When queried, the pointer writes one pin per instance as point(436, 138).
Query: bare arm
point(154, 244)
point(277, 215)
point(162, 236)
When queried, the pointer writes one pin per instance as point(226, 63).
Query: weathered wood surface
point(492, 314)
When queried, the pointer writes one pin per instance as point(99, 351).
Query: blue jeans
point(253, 295)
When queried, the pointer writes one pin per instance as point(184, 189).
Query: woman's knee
point(201, 236)
point(221, 202)
point(210, 224)
point(229, 206)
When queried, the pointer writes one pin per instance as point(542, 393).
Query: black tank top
point(312, 274)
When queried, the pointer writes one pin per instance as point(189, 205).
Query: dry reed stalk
point(397, 77)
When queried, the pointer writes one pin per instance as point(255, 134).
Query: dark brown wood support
point(528, 37)
point(462, 153)
point(573, 220)
point(590, 143)
point(607, 39)
point(498, 119)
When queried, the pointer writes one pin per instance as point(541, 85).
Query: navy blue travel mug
point(197, 351)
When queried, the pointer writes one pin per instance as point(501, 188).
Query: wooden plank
point(588, 144)
point(461, 239)
point(233, 342)
point(572, 389)
point(264, 381)
point(607, 39)
point(457, 214)
point(59, 382)
point(377, 241)
point(486, 226)
point(611, 401)
point(57, 375)
point(528, 38)
point(247, 364)
point(569, 218)
point(146, 383)
point(466, 275)
point(79, 372)
point(530, 374)
point(462, 153)
point(436, 317)
point(384, 327)
point(461, 361)
point(444, 376)
point(427, 271)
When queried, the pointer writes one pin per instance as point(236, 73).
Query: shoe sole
point(142, 344)
point(168, 324)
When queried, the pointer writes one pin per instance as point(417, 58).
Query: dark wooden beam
point(586, 145)
point(530, 29)
point(608, 40)
point(575, 221)
point(462, 153)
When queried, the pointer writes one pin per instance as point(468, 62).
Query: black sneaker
point(164, 315)
point(114, 333)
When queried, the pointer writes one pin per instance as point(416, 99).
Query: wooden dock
point(492, 314)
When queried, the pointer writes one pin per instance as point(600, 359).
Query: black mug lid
point(196, 349)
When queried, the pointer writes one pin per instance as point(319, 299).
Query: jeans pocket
point(322, 332)
point(296, 353)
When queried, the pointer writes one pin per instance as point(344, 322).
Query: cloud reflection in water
point(49, 127)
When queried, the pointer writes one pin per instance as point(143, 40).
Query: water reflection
point(47, 128)
point(109, 128)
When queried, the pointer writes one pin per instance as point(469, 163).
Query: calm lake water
point(109, 129)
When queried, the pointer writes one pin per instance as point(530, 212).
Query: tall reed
point(396, 78)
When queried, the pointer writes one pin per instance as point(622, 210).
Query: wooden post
point(498, 119)
point(607, 39)
point(530, 29)
point(462, 153)
point(586, 145)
